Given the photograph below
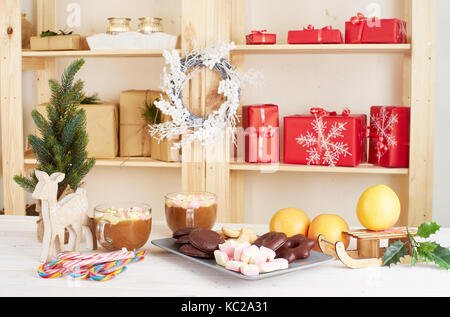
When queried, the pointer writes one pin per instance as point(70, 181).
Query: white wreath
point(190, 126)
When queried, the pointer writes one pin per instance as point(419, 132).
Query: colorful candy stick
point(98, 267)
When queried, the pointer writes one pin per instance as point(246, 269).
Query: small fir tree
point(62, 145)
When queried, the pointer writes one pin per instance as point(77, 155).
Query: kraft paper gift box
point(361, 29)
point(325, 138)
point(389, 134)
point(310, 35)
point(58, 43)
point(163, 150)
point(134, 137)
point(102, 129)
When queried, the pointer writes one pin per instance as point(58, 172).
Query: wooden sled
point(368, 252)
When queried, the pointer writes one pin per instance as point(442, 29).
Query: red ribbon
point(319, 31)
point(320, 112)
point(358, 18)
point(382, 146)
point(259, 32)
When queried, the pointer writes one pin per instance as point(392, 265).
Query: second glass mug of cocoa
point(190, 209)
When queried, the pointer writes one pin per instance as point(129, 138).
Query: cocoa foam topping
point(116, 215)
point(191, 201)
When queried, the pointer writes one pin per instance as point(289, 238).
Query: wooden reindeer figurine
point(71, 213)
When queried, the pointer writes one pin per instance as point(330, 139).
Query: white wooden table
point(165, 274)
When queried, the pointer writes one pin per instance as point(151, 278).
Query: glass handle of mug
point(100, 232)
point(190, 217)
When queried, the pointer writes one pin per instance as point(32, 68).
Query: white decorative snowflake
point(382, 124)
point(323, 147)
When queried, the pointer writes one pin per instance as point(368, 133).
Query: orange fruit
point(291, 221)
point(331, 226)
point(378, 208)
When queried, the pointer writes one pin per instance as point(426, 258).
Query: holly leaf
point(425, 250)
point(394, 252)
point(441, 256)
point(427, 229)
point(414, 257)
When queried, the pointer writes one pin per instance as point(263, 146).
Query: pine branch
point(25, 183)
point(62, 147)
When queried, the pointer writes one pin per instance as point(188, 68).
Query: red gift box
point(261, 37)
point(361, 29)
point(389, 136)
point(262, 135)
point(309, 35)
point(325, 138)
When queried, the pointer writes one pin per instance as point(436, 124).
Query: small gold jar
point(118, 25)
point(149, 25)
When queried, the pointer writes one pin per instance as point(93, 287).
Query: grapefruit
point(291, 221)
point(331, 226)
point(378, 208)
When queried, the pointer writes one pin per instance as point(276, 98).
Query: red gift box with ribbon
point(262, 133)
point(310, 35)
point(361, 29)
point(325, 138)
point(261, 37)
point(389, 136)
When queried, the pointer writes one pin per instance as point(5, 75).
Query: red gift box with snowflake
point(262, 133)
point(310, 35)
point(389, 133)
point(361, 29)
point(325, 138)
point(261, 37)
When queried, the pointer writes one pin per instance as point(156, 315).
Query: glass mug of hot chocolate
point(123, 225)
point(190, 209)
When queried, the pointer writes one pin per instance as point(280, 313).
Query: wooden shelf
point(322, 49)
point(96, 53)
point(121, 162)
point(282, 167)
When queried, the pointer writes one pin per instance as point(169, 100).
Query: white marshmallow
point(269, 252)
point(239, 249)
point(221, 257)
point(250, 269)
point(275, 265)
point(249, 253)
point(234, 266)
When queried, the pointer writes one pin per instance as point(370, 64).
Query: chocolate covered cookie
point(182, 232)
point(205, 240)
point(190, 250)
point(297, 247)
point(183, 240)
point(271, 240)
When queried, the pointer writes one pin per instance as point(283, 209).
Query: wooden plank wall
point(11, 105)
point(423, 82)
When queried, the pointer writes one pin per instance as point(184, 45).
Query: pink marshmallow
point(229, 247)
point(275, 265)
point(250, 269)
point(268, 252)
point(249, 253)
point(239, 249)
point(259, 258)
point(234, 266)
point(221, 257)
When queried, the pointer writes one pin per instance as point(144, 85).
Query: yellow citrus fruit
point(330, 226)
point(378, 208)
point(291, 221)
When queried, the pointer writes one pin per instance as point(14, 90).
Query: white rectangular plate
point(316, 258)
